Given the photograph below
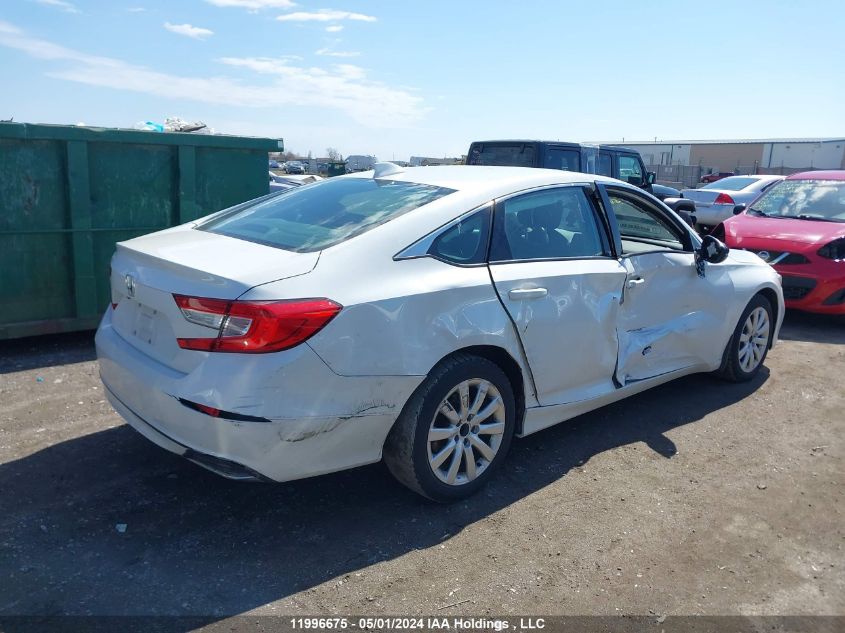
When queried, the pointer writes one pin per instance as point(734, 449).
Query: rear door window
point(317, 216)
point(555, 223)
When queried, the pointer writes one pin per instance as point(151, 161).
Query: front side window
point(804, 199)
point(317, 216)
point(630, 170)
point(604, 165)
point(642, 227)
point(549, 224)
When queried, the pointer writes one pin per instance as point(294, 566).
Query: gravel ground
point(698, 497)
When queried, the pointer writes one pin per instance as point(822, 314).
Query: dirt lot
point(698, 497)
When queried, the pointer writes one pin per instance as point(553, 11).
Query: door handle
point(636, 281)
point(519, 294)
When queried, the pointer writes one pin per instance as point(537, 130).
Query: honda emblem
point(129, 280)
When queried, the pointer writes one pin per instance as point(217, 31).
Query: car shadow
point(108, 523)
point(35, 352)
point(813, 328)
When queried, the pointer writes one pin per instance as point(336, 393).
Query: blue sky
point(397, 78)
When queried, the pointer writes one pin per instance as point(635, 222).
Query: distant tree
point(309, 155)
point(332, 154)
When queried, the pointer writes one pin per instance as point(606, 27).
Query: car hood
point(748, 231)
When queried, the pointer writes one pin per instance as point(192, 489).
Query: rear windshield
point(805, 199)
point(505, 155)
point(732, 183)
point(317, 216)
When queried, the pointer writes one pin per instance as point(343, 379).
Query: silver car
point(715, 202)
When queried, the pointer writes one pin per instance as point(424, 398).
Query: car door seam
point(519, 342)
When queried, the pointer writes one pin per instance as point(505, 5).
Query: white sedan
point(423, 316)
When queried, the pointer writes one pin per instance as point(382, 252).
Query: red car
point(798, 226)
point(708, 178)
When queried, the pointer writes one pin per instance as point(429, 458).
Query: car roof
point(830, 174)
point(495, 181)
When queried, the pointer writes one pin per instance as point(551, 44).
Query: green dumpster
point(67, 194)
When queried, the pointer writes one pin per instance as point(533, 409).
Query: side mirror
point(650, 177)
point(739, 209)
point(712, 250)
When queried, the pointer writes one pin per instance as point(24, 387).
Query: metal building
point(746, 156)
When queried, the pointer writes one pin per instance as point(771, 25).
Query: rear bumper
point(713, 214)
point(317, 422)
point(223, 467)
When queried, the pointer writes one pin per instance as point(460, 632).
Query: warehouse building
point(778, 155)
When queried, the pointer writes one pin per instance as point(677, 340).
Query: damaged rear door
point(552, 268)
point(670, 317)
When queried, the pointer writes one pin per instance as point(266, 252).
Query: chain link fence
point(678, 176)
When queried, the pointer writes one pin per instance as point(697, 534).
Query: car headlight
point(833, 250)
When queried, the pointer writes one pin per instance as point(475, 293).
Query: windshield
point(805, 199)
point(317, 216)
point(733, 183)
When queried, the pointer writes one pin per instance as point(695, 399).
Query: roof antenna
point(386, 169)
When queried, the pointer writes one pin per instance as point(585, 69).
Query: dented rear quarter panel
point(411, 315)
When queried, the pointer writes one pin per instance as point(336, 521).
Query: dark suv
point(617, 162)
point(607, 160)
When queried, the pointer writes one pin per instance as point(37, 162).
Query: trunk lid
point(702, 197)
point(147, 271)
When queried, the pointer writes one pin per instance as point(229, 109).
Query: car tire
point(445, 411)
point(749, 344)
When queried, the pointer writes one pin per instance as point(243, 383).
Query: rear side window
point(314, 217)
point(465, 242)
point(504, 155)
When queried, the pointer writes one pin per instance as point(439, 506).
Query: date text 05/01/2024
point(416, 623)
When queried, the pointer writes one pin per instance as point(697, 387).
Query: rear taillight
point(723, 198)
point(254, 326)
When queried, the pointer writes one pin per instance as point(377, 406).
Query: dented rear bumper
point(314, 421)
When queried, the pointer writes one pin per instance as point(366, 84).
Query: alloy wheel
point(754, 339)
point(466, 432)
